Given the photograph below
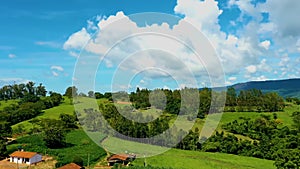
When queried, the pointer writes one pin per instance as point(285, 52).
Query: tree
point(91, 94)
point(54, 132)
point(68, 120)
point(71, 92)
point(78, 160)
point(56, 98)
point(231, 97)
point(30, 88)
point(296, 120)
point(41, 90)
point(3, 150)
point(98, 95)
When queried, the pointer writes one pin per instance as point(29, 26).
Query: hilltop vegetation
point(255, 124)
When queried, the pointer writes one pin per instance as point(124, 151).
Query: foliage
point(26, 91)
point(78, 144)
point(53, 132)
point(71, 92)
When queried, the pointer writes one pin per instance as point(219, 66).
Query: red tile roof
point(23, 154)
point(70, 166)
point(122, 157)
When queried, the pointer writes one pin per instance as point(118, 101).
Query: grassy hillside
point(79, 145)
point(7, 103)
point(180, 159)
point(53, 113)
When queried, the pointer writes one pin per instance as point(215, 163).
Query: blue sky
point(40, 41)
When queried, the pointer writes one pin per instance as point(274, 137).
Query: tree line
point(19, 91)
point(252, 100)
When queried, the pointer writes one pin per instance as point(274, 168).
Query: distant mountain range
point(285, 88)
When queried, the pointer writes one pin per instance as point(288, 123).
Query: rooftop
point(70, 166)
point(23, 154)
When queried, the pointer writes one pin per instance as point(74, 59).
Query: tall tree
point(41, 90)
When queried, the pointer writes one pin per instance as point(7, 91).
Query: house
point(124, 159)
point(71, 166)
point(25, 157)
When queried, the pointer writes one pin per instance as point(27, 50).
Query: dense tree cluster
point(270, 141)
point(19, 91)
point(93, 121)
point(293, 100)
point(54, 130)
point(5, 131)
point(253, 100)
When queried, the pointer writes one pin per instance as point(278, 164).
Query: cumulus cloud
point(246, 51)
point(77, 40)
point(150, 47)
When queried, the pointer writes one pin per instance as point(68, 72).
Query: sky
point(123, 44)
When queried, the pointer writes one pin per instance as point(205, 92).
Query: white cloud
point(251, 69)
point(77, 40)
point(244, 50)
point(74, 54)
point(201, 13)
point(265, 44)
point(48, 43)
point(11, 55)
point(59, 68)
point(55, 74)
point(284, 60)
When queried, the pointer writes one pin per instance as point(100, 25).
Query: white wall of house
point(35, 159)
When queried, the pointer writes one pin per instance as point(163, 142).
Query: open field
point(181, 159)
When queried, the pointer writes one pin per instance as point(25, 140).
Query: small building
point(71, 166)
point(25, 157)
point(123, 159)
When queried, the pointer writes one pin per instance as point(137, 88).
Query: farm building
point(25, 157)
point(71, 166)
point(124, 159)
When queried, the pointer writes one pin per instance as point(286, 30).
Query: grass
point(52, 113)
point(7, 103)
point(78, 144)
point(181, 159)
point(119, 146)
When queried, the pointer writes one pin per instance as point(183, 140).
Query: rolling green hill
point(285, 88)
point(181, 159)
